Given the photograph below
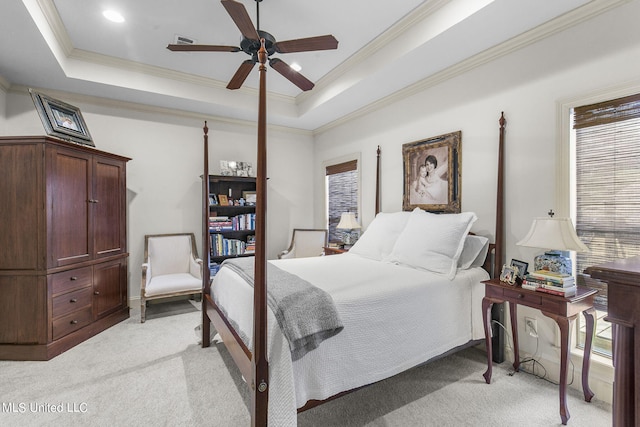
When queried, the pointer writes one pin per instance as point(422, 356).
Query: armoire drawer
point(72, 322)
point(72, 301)
point(71, 279)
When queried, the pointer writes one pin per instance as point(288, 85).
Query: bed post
point(378, 181)
point(260, 381)
point(206, 324)
point(497, 311)
point(499, 257)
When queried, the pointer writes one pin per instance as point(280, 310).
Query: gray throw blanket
point(306, 314)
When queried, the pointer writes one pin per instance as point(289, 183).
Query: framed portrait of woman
point(432, 174)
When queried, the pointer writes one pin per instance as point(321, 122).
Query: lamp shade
point(348, 221)
point(553, 233)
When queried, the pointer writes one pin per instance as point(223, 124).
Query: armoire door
point(109, 286)
point(109, 207)
point(69, 228)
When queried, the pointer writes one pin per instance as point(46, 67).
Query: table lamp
point(348, 223)
point(555, 235)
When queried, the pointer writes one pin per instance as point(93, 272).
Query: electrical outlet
point(531, 326)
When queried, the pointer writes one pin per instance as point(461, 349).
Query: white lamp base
point(553, 261)
point(349, 237)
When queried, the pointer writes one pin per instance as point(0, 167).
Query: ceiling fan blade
point(201, 48)
point(241, 74)
point(240, 16)
point(290, 74)
point(303, 45)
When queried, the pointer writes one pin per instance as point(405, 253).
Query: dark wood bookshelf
point(234, 187)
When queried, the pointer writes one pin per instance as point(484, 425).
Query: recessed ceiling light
point(296, 66)
point(113, 16)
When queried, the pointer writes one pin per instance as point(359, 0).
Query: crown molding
point(64, 41)
point(71, 97)
point(376, 45)
point(52, 17)
point(557, 25)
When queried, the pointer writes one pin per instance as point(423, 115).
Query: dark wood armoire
point(63, 245)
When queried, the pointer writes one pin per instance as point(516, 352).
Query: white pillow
point(378, 239)
point(433, 242)
point(474, 252)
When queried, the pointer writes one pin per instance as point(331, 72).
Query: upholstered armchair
point(171, 268)
point(305, 243)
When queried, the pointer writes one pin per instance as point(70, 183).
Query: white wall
point(3, 105)
point(163, 177)
point(528, 85)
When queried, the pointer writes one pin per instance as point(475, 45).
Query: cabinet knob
point(96, 292)
point(93, 201)
point(520, 296)
point(74, 322)
point(73, 278)
point(73, 300)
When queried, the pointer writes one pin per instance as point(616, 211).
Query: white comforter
point(394, 318)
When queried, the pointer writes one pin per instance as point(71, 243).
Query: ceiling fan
point(250, 44)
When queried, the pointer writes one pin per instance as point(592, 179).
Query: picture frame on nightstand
point(521, 266)
point(509, 274)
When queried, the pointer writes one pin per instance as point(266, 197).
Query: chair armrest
point(286, 254)
point(290, 252)
point(146, 275)
point(195, 267)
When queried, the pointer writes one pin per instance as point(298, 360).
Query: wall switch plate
point(531, 326)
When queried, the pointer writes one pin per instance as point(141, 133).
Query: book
point(552, 275)
point(532, 286)
point(543, 277)
point(565, 292)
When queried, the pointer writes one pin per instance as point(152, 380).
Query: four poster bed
point(387, 291)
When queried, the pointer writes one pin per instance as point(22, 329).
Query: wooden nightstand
point(562, 310)
point(334, 251)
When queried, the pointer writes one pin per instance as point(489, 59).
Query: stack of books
point(221, 246)
point(244, 222)
point(550, 282)
point(250, 248)
point(220, 223)
point(236, 223)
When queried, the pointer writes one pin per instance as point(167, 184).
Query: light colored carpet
point(155, 374)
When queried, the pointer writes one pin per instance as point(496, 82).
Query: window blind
point(607, 184)
point(349, 166)
point(342, 188)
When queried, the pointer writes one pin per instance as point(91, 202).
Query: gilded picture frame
point(61, 120)
point(432, 174)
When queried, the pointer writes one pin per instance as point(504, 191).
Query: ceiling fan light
point(113, 16)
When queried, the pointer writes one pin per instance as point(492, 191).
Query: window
point(607, 193)
point(342, 195)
